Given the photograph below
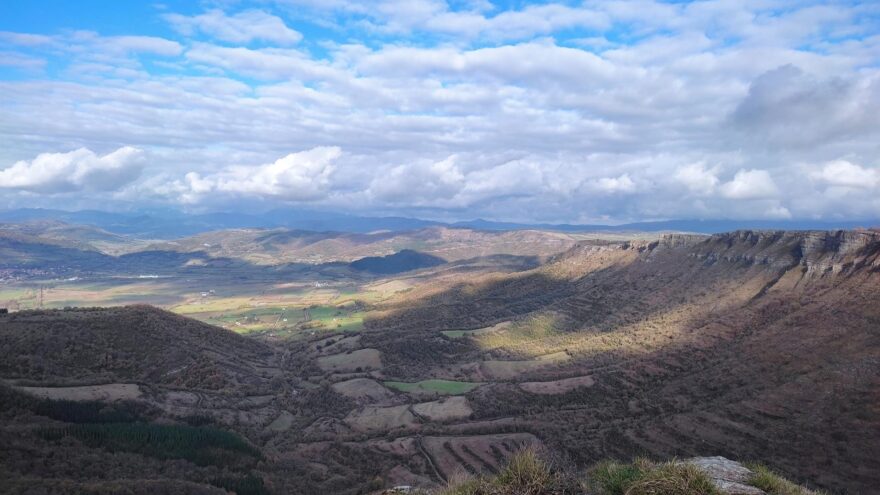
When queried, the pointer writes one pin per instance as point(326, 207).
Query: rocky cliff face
point(817, 252)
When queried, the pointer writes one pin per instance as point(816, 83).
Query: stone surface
point(729, 476)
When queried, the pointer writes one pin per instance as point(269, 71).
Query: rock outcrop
point(730, 477)
point(818, 252)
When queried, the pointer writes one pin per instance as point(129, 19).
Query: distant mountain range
point(170, 224)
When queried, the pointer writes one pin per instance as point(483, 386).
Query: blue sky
point(525, 111)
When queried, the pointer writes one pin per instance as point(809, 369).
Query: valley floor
point(752, 345)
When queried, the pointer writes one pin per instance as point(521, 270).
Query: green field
point(282, 318)
point(457, 334)
point(356, 295)
point(447, 387)
point(255, 306)
point(337, 318)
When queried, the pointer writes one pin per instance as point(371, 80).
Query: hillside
point(277, 246)
point(136, 344)
point(171, 224)
point(753, 345)
point(399, 262)
point(47, 249)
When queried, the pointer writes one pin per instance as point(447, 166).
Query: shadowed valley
point(752, 345)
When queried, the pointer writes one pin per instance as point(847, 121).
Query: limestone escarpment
point(818, 252)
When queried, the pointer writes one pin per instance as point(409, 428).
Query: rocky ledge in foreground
point(729, 477)
point(528, 472)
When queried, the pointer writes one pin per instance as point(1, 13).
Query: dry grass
point(527, 473)
point(527, 337)
point(643, 477)
point(765, 479)
point(673, 478)
point(614, 478)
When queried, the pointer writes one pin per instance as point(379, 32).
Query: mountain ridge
point(749, 344)
point(166, 224)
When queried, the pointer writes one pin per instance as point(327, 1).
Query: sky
point(557, 111)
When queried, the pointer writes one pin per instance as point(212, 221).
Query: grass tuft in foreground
point(614, 478)
point(643, 477)
point(529, 474)
point(526, 474)
point(773, 484)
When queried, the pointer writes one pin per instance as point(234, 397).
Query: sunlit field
point(277, 309)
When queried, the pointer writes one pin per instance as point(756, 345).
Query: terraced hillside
point(750, 345)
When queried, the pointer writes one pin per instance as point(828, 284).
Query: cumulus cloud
point(473, 19)
point(530, 21)
point(697, 178)
point(750, 184)
point(25, 39)
point(787, 106)
point(613, 185)
point(12, 59)
point(243, 27)
point(79, 170)
point(422, 183)
point(847, 174)
point(301, 176)
point(264, 63)
point(472, 108)
point(142, 44)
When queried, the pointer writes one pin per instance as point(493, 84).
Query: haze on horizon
point(578, 112)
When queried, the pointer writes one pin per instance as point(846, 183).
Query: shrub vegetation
point(203, 446)
point(774, 484)
point(528, 473)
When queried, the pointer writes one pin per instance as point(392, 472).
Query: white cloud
point(467, 109)
point(697, 178)
point(475, 19)
point(529, 63)
point(25, 39)
point(143, 44)
point(528, 22)
point(429, 182)
point(243, 27)
point(302, 176)
point(750, 184)
point(789, 107)
point(776, 212)
point(847, 174)
point(79, 170)
point(613, 185)
point(267, 63)
point(12, 59)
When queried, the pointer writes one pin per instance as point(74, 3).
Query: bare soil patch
point(282, 423)
point(373, 418)
point(351, 361)
point(475, 454)
point(363, 389)
point(444, 409)
point(110, 392)
point(557, 386)
point(506, 370)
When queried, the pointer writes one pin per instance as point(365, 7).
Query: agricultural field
point(603, 352)
point(457, 334)
point(444, 387)
point(280, 309)
point(287, 316)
